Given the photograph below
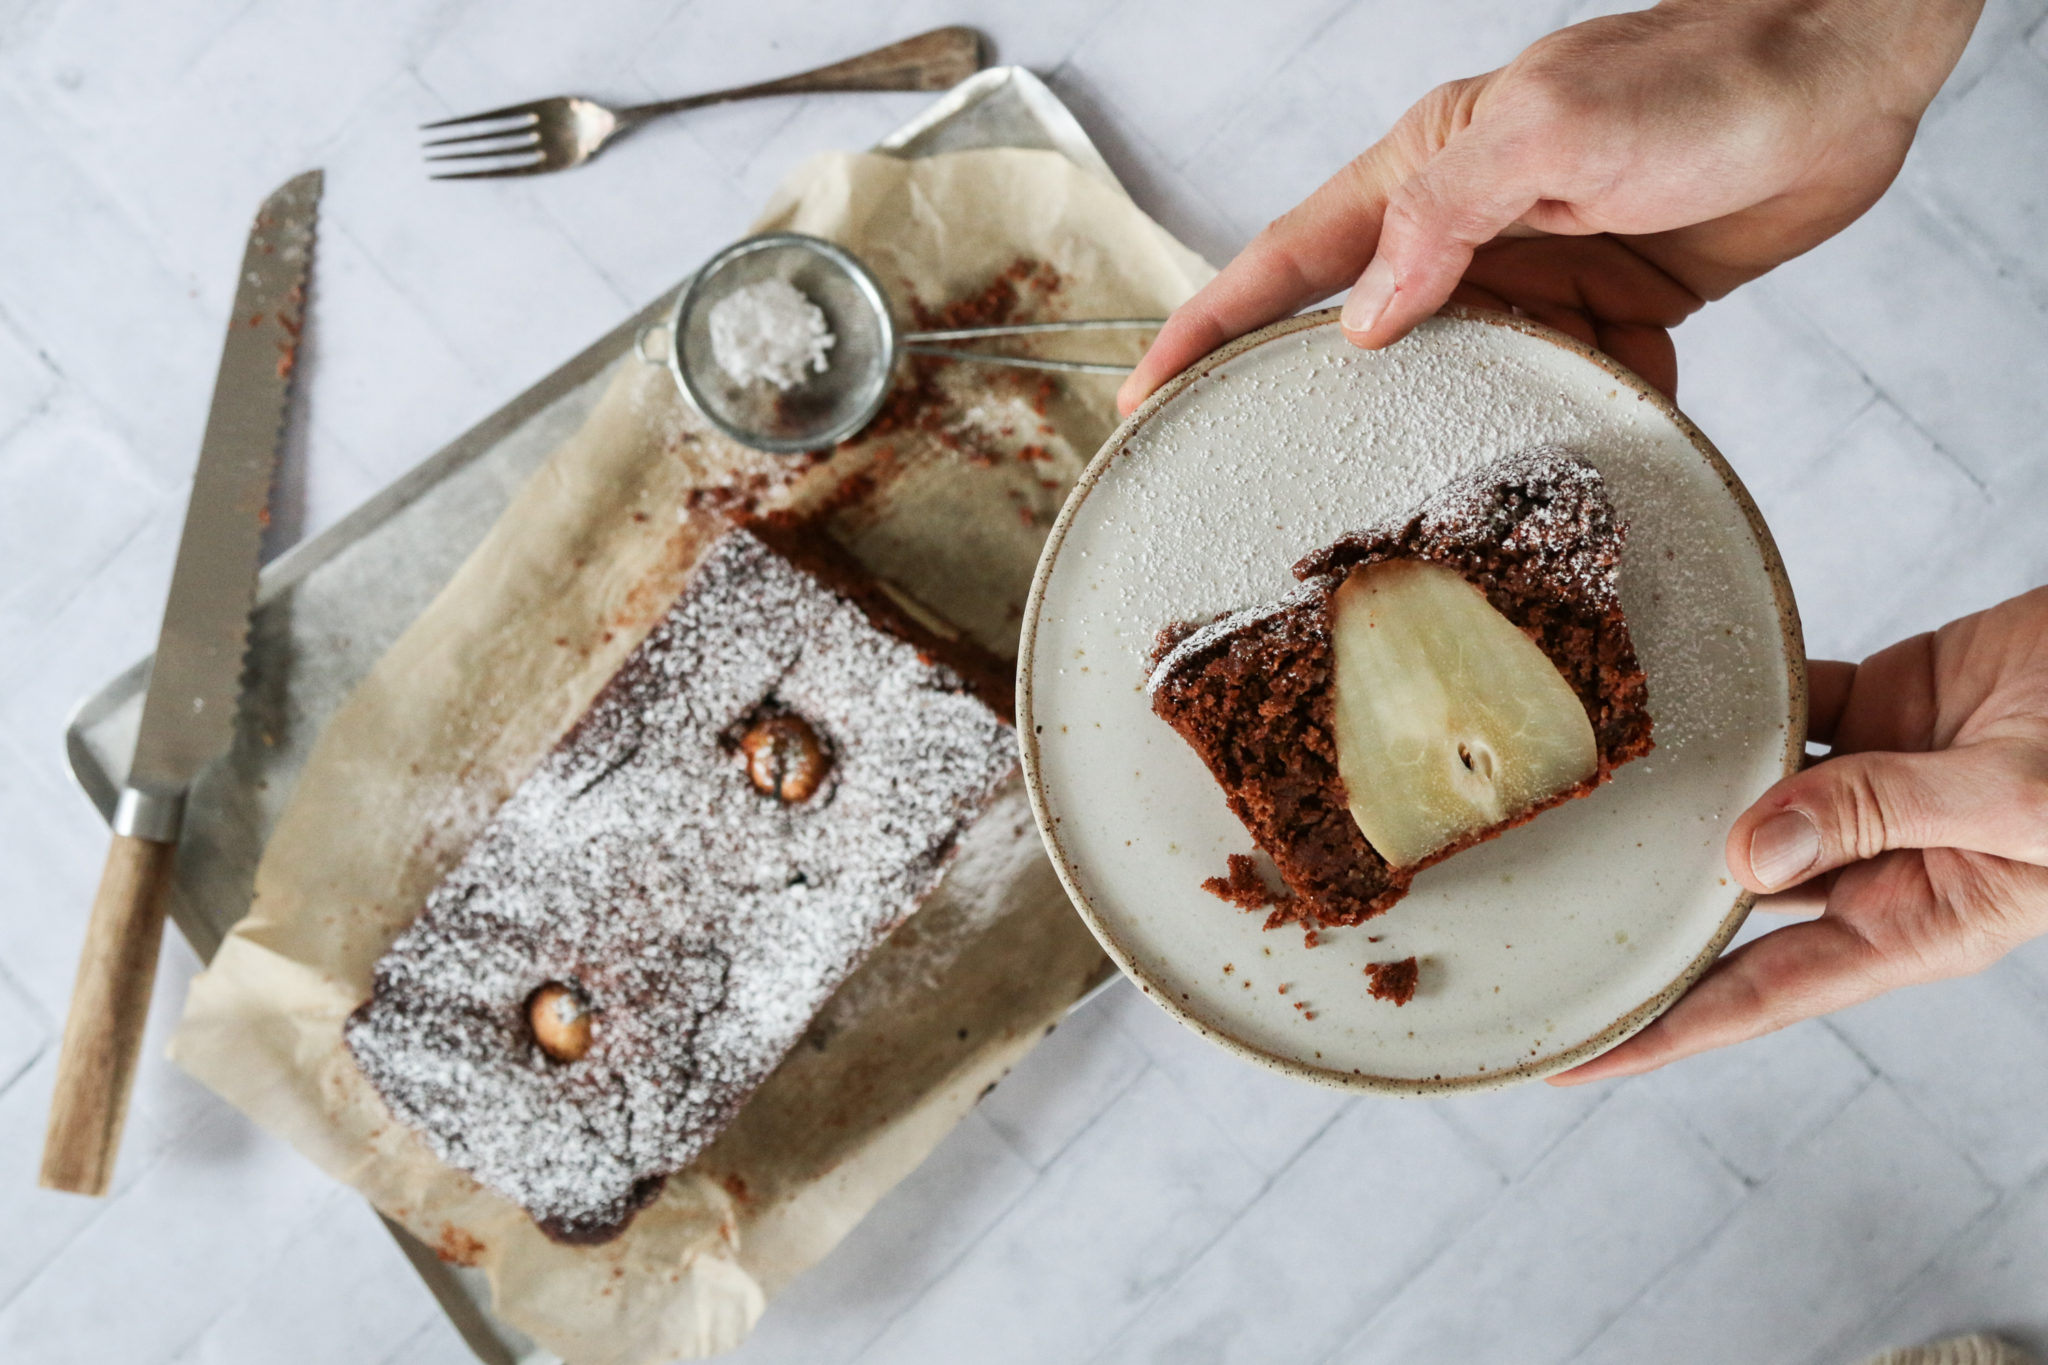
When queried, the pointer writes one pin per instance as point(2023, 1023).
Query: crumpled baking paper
point(586, 558)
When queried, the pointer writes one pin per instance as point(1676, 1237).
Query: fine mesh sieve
point(827, 407)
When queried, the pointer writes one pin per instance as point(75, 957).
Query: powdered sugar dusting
point(768, 330)
point(703, 922)
point(1228, 624)
point(1544, 502)
point(1570, 526)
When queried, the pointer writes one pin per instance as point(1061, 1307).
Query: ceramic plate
point(1538, 949)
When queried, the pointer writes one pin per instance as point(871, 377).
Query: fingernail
point(1783, 847)
point(1369, 297)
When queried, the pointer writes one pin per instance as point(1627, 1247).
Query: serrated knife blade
point(188, 717)
point(188, 714)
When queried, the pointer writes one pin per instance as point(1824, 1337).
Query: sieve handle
point(1021, 362)
point(1018, 329)
point(648, 333)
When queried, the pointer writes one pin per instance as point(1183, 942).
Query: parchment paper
point(583, 562)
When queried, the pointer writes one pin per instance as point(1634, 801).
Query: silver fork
point(567, 130)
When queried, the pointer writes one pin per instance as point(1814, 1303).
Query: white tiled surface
point(1130, 1193)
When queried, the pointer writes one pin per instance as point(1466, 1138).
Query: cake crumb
point(1242, 887)
point(1393, 981)
point(1246, 890)
point(458, 1246)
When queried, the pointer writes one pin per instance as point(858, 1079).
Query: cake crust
point(1251, 691)
point(700, 918)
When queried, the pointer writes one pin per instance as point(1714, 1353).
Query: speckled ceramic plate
point(1538, 949)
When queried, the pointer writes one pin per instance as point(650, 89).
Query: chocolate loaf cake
point(1365, 657)
point(769, 785)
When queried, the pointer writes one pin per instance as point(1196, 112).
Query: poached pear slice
point(1448, 718)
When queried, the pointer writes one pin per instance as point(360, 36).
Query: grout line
point(12, 985)
point(2000, 1207)
point(1773, 300)
point(1839, 441)
point(206, 44)
point(1230, 1224)
point(34, 413)
point(1984, 489)
point(1038, 1178)
point(1338, 11)
point(107, 197)
point(336, 225)
point(185, 1349)
point(173, 502)
point(2031, 982)
point(1683, 1120)
point(281, 1245)
point(1698, 1248)
point(1195, 1256)
point(1450, 1116)
point(420, 54)
point(1109, 1103)
point(1251, 1159)
point(1269, 1179)
point(1084, 38)
point(612, 283)
point(1905, 1095)
point(1132, 156)
point(1880, 393)
point(21, 337)
point(1931, 198)
point(576, 248)
point(101, 1208)
point(1000, 1214)
point(408, 1350)
point(1423, 1267)
point(1745, 1189)
point(1515, 1182)
point(7, 1083)
point(1876, 1071)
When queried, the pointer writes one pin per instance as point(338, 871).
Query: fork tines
point(518, 137)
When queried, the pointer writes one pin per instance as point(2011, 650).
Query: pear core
point(1448, 718)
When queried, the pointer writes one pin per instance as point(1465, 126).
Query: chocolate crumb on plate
point(1393, 982)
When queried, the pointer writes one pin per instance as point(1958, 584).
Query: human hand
point(1607, 181)
point(1924, 834)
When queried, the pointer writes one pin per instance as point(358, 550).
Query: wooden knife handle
point(109, 1005)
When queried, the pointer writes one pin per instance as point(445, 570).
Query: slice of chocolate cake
point(1432, 682)
point(769, 785)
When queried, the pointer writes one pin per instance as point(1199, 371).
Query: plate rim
point(1632, 1021)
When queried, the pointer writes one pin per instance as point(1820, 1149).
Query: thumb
point(1481, 182)
point(1857, 806)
